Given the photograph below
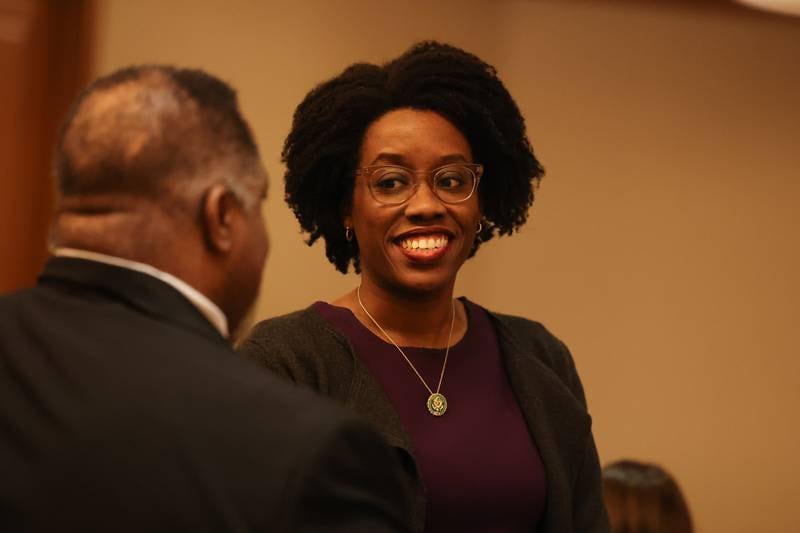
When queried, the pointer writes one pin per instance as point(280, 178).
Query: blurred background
point(663, 243)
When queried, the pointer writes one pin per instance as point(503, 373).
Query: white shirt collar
point(209, 309)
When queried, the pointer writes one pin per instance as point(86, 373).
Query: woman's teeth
point(424, 243)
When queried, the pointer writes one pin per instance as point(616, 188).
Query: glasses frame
point(475, 168)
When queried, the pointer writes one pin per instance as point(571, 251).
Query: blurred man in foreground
point(122, 406)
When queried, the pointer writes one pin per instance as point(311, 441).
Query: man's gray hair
point(157, 132)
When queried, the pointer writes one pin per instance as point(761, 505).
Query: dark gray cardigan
point(304, 348)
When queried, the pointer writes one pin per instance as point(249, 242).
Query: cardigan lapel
point(366, 397)
point(557, 421)
point(137, 290)
point(369, 400)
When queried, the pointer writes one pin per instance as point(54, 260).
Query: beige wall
point(663, 247)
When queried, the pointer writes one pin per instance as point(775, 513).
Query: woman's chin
point(424, 284)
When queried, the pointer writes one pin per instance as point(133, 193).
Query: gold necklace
point(437, 403)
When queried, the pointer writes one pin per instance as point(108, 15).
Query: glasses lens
point(454, 183)
point(395, 185)
point(391, 185)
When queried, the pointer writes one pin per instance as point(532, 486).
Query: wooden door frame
point(46, 57)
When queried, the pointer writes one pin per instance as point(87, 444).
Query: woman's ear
point(345, 215)
point(217, 213)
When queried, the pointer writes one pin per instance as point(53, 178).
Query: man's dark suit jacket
point(123, 409)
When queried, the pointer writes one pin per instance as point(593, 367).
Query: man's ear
point(217, 214)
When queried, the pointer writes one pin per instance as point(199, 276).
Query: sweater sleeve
point(351, 483)
point(588, 509)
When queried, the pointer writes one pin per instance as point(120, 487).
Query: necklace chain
point(399, 349)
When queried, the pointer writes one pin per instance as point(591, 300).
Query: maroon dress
point(481, 468)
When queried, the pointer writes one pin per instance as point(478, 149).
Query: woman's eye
point(391, 182)
point(450, 180)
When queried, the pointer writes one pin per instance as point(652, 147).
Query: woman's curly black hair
point(322, 150)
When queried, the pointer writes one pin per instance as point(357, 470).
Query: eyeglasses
point(394, 185)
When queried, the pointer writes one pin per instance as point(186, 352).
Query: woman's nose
point(424, 202)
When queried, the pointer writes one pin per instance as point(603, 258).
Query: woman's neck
point(410, 319)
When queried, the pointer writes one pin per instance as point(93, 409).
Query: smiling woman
point(417, 244)
point(404, 170)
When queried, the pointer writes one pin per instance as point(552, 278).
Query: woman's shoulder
point(300, 345)
point(521, 328)
point(291, 327)
point(521, 339)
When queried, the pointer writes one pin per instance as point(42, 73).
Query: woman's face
point(419, 245)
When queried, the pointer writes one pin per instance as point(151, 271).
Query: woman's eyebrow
point(398, 159)
point(389, 157)
point(453, 158)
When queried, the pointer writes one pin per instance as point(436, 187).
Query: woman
point(404, 170)
point(644, 498)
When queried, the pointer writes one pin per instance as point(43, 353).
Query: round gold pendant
point(437, 404)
